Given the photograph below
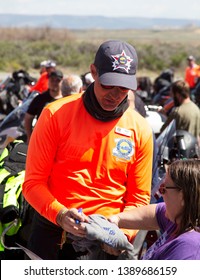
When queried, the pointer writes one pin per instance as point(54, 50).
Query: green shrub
point(25, 48)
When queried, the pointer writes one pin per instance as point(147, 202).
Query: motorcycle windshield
point(15, 118)
point(163, 139)
point(162, 154)
point(4, 83)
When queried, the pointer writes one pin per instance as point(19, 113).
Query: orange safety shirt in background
point(42, 83)
point(79, 161)
point(191, 74)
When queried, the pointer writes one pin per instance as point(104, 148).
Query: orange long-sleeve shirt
point(191, 74)
point(78, 161)
point(42, 83)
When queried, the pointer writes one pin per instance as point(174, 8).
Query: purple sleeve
point(163, 222)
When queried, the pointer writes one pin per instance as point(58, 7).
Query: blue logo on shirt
point(123, 149)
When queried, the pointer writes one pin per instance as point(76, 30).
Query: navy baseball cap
point(116, 62)
point(57, 74)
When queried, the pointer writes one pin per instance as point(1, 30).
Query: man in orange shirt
point(191, 72)
point(43, 65)
point(42, 83)
point(89, 151)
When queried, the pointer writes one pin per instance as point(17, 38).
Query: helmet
point(168, 75)
point(190, 57)
point(43, 63)
point(182, 145)
point(50, 63)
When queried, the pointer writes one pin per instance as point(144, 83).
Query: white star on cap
point(122, 61)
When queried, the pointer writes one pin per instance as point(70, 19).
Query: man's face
point(50, 69)
point(191, 62)
point(54, 83)
point(108, 97)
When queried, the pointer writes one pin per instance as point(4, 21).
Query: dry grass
point(35, 34)
point(173, 36)
point(153, 44)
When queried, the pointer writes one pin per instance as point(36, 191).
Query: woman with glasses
point(178, 217)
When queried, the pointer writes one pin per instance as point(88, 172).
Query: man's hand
point(71, 221)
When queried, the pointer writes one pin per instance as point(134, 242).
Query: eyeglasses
point(163, 188)
point(123, 89)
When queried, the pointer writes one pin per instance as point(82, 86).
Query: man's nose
point(116, 94)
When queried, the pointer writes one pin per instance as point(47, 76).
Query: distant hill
point(94, 22)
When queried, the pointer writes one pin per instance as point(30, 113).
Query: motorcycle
point(12, 127)
point(155, 118)
point(13, 90)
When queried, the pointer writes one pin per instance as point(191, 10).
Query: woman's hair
point(186, 174)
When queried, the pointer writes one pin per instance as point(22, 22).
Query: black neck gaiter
point(93, 108)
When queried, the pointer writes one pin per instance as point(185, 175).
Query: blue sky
point(185, 9)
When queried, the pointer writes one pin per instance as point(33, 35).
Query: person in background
point(40, 101)
point(42, 83)
point(43, 66)
point(161, 87)
point(94, 153)
point(178, 217)
point(191, 72)
point(87, 80)
point(137, 103)
point(186, 112)
point(71, 84)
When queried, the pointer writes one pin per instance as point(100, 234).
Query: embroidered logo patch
point(122, 61)
point(124, 149)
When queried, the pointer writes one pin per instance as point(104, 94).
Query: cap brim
point(54, 76)
point(119, 80)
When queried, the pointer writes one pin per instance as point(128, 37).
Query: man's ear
point(81, 89)
point(93, 71)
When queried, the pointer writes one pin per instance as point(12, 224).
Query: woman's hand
point(114, 219)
